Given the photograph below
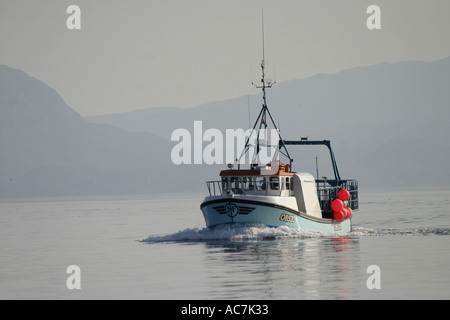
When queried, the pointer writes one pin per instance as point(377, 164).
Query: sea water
point(157, 247)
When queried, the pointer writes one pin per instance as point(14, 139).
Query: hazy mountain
point(388, 122)
point(47, 149)
point(388, 125)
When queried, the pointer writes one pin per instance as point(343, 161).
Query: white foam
point(234, 232)
point(240, 232)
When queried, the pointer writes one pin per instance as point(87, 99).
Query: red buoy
point(349, 212)
point(343, 194)
point(338, 215)
point(337, 205)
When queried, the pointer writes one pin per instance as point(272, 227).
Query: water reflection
point(311, 268)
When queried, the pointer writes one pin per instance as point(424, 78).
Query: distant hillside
point(388, 123)
point(47, 149)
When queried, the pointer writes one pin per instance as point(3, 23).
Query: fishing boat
point(274, 195)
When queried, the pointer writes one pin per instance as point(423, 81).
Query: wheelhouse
point(252, 182)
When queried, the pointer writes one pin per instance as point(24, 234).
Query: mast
point(262, 117)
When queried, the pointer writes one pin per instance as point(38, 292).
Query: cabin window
point(244, 182)
point(288, 183)
point(224, 183)
point(234, 183)
point(274, 183)
point(251, 184)
point(260, 184)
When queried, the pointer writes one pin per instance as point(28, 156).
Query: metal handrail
point(215, 187)
point(211, 185)
point(327, 190)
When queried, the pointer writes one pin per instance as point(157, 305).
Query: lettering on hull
point(288, 218)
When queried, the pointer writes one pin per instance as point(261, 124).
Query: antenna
point(269, 83)
point(317, 168)
point(262, 15)
point(262, 117)
point(248, 107)
point(274, 71)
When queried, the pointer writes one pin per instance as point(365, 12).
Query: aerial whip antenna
point(262, 14)
point(262, 117)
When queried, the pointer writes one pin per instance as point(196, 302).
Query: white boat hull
point(218, 210)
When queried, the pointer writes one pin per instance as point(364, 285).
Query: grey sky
point(134, 54)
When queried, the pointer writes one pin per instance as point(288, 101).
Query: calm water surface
point(158, 248)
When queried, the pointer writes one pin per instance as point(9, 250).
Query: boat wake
point(233, 232)
point(421, 231)
point(238, 232)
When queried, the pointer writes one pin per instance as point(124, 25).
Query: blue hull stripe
point(266, 204)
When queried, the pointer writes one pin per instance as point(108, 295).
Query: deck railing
point(327, 190)
point(242, 187)
point(214, 188)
